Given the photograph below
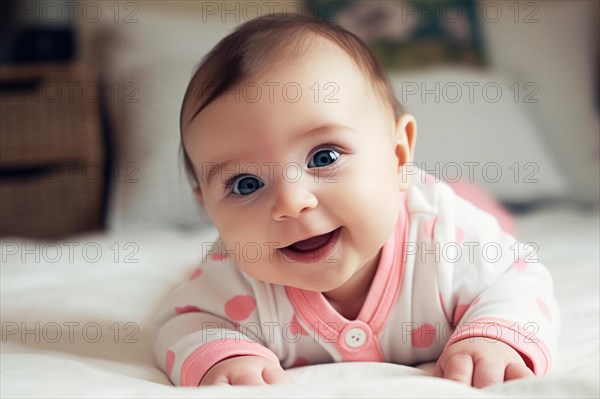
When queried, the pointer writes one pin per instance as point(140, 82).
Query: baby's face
point(283, 167)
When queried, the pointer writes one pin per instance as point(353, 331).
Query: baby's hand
point(481, 362)
point(246, 370)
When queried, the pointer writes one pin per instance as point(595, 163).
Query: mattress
point(77, 319)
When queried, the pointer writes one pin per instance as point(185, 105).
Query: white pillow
point(555, 45)
point(149, 67)
point(149, 186)
point(470, 128)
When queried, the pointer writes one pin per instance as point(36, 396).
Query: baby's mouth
point(312, 243)
point(314, 249)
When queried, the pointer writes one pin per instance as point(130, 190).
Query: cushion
point(147, 75)
point(470, 128)
point(554, 44)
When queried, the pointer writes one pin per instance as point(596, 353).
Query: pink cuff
point(534, 351)
point(202, 359)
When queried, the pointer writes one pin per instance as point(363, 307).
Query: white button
point(355, 337)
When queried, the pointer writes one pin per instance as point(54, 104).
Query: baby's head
point(291, 131)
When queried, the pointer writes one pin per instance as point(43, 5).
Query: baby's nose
point(291, 200)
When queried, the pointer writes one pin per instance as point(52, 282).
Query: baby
point(333, 246)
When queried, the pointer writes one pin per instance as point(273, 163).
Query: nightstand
point(51, 151)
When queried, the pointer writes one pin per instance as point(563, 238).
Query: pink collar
point(318, 314)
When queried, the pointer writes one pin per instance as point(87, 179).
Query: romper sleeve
point(497, 288)
point(208, 319)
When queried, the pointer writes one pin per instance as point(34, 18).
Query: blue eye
point(323, 158)
point(245, 185)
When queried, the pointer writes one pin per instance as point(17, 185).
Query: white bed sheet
point(93, 287)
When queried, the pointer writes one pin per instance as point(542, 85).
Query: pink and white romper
point(447, 273)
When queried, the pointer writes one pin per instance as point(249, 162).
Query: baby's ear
point(405, 138)
point(198, 195)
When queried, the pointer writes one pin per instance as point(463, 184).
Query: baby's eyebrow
point(326, 128)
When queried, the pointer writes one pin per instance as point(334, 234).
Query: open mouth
point(313, 249)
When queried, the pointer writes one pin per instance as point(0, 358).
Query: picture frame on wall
point(409, 34)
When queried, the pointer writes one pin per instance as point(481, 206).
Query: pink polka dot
point(461, 309)
point(187, 309)
point(197, 272)
point(295, 328)
point(240, 307)
point(459, 235)
point(218, 257)
point(423, 336)
point(169, 361)
point(428, 227)
point(459, 312)
point(300, 361)
point(544, 308)
point(520, 265)
point(429, 179)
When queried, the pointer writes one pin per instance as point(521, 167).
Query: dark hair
point(251, 49)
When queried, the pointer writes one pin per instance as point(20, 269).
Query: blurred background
point(506, 96)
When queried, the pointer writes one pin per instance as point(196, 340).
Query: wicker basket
point(51, 151)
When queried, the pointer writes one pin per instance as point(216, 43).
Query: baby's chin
point(319, 286)
point(307, 283)
point(324, 284)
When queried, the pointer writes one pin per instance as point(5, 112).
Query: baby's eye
point(323, 157)
point(245, 185)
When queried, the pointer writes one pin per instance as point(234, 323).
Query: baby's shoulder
point(431, 201)
point(428, 195)
point(218, 286)
point(218, 275)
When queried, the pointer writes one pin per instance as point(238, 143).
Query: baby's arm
point(513, 320)
point(202, 334)
point(501, 303)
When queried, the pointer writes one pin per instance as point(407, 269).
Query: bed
point(78, 320)
point(78, 314)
